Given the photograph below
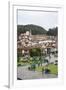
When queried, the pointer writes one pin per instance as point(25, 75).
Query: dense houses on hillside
point(27, 41)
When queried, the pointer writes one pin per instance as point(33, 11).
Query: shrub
point(35, 52)
point(47, 71)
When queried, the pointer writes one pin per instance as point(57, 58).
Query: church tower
point(30, 33)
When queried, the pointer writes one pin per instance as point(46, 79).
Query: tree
point(52, 31)
point(35, 52)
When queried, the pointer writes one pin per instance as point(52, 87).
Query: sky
point(45, 19)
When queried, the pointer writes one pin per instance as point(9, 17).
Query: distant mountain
point(35, 29)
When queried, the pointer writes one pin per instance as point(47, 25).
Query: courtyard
point(36, 68)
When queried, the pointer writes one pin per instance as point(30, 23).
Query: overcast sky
point(45, 19)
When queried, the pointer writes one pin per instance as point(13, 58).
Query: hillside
point(35, 29)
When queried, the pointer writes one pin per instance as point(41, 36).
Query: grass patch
point(53, 68)
point(22, 63)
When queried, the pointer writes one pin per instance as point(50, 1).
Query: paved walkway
point(23, 73)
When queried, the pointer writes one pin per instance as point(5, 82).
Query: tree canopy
point(52, 31)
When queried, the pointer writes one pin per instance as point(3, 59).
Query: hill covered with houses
point(36, 30)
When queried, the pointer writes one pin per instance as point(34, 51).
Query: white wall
point(4, 41)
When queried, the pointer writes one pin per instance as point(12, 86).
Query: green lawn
point(29, 61)
point(53, 68)
point(22, 63)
